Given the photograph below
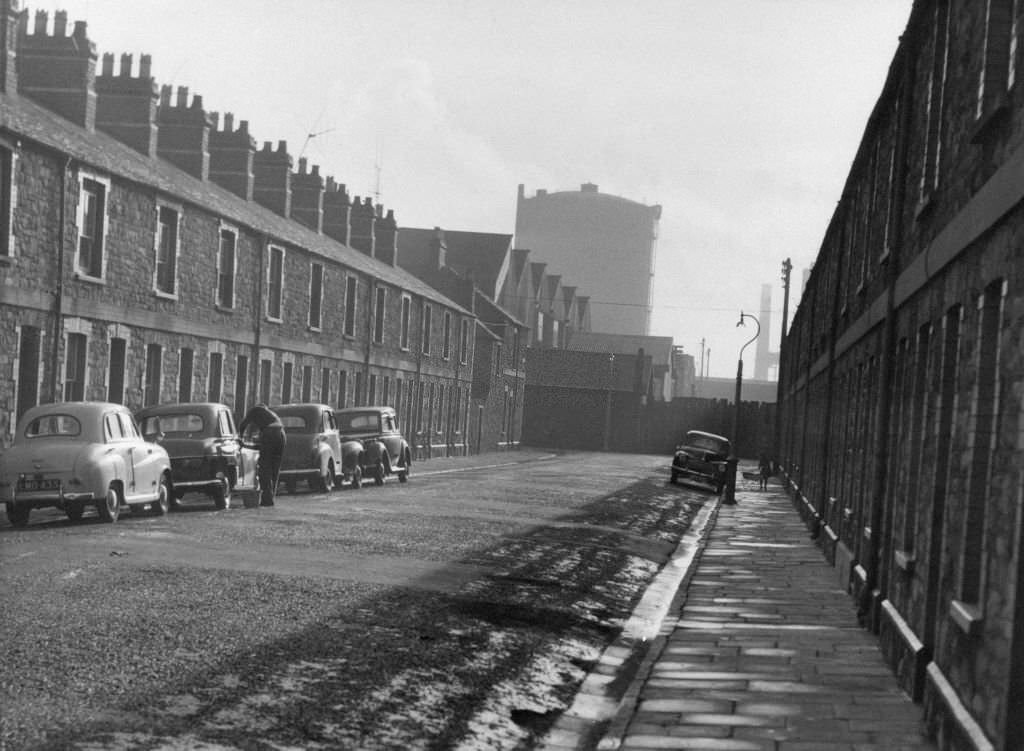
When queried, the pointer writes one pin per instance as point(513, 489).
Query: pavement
point(759, 649)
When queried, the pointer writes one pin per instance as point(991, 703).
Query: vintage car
point(702, 456)
point(315, 451)
point(386, 452)
point(207, 455)
point(72, 455)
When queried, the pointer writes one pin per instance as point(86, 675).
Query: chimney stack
point(231, 155)
point(272, 173)
point(58, 71)
point(126, 106)
point(385, 246)
point(438, 257)
point(9, 21)
point(308, 197)
point(336, 212)
point(363, 218)
point(184, 132)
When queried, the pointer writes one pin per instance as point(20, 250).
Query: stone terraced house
point(902, 376)
point(149, 252)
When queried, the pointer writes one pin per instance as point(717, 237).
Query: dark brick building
point(149, 252)
point(902, 376)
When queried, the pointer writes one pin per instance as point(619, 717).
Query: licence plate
point(26, 483)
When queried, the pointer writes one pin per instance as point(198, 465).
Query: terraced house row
point(149, 252)
point(902, 376)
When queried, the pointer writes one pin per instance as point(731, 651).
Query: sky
point(740, 118)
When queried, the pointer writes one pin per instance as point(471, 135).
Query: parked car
point(386, 452)
point(702, 456)
point(207, 455)
point(72, 455)
point(315, 451)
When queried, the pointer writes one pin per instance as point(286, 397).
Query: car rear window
point(179, 423)
point(358, 421)
point(703, 442)
point(53, 425)
point(293, 423)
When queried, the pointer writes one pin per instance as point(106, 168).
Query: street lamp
point(608, 402)
point(730, 491)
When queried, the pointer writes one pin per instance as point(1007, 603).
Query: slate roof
point(24, 118)
point(659, 348)
point(484, 256)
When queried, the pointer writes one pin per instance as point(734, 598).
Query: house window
point(154, 374)
point(316, 294)
point(74, 372)
point(350, 305)
point(464, 342)
point(241, 384)
point(265, 370)
point(378, 315)
point(403, 340)
point(446, 345)
point(185, 362)
point(216, 376)
point(275, 283)
point(166, 251)
point(227, 267)
point(427, 328)
point(371, 398)
point(935, 95)
point(357, 397)
point(325, 385)
point(985, 419)
point(998, 69)
point(307, 383)
point(116, 371)
point(286, 383)
point(342, 390)
point(386, 397)
point(92, 222)
point(6, 201)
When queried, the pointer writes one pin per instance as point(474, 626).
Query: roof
point(658, 347)
point(482, 256)
point(25, 118)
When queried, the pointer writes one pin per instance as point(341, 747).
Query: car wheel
point(674, 477)
point(74, 511)
point(222, 494)
point(378, 474)
point(326, 482)
point(18, 515)
point(162, 504)
point(110, 507)
point(403, 471)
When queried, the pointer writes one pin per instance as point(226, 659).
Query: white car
point(78, 454)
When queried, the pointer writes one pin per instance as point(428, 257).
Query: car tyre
point(110, 507)
point(325, 484)
point(162, 504)
point(378, 474)
point(222, 494)
point(403, 471)
point(17, 515)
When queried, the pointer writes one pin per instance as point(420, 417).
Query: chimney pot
point(266, 145)
point(81, 30)
point(282, 146)
point(42, 18)
point(126, 64)
point(182, 96)
point(243, 126)
point(302, 165)
point(214, 121)
point(197, 102)
point(145, 66)
point(316, 170)
point(165, 95)
point(229, 122)
point(108, 63)
point(60, 23)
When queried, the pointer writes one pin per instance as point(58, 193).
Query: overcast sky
point(739, 117)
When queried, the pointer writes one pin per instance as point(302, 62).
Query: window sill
point(314, 329)
point(165, 295)
point(924, 206)
point(905, 561)
point(991, 121)
point(883, 257)
point(83, 277)
point(224, 309)
point(966, 616)
point(6, 259)
point(269, 319)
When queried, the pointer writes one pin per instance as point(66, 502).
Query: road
point(462, 609)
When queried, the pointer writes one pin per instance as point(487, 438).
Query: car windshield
point(294, 423)
point(707, 443)
point(181, 423)
point(358, 421)
point(53, 425)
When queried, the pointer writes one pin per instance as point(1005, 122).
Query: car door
point(391, 437)
point(245, 458)
point(148, 460)
point(329, 431)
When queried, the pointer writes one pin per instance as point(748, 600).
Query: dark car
point(386, 452)
point(702, 456)
point(315, 451)
point(207, 455)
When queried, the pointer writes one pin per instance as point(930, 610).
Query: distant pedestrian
point(272, 441)
point(765, 471)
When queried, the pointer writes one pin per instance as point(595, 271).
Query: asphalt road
point(460, 610)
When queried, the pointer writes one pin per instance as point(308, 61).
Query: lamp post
point(608, 402)
point(730, 489)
